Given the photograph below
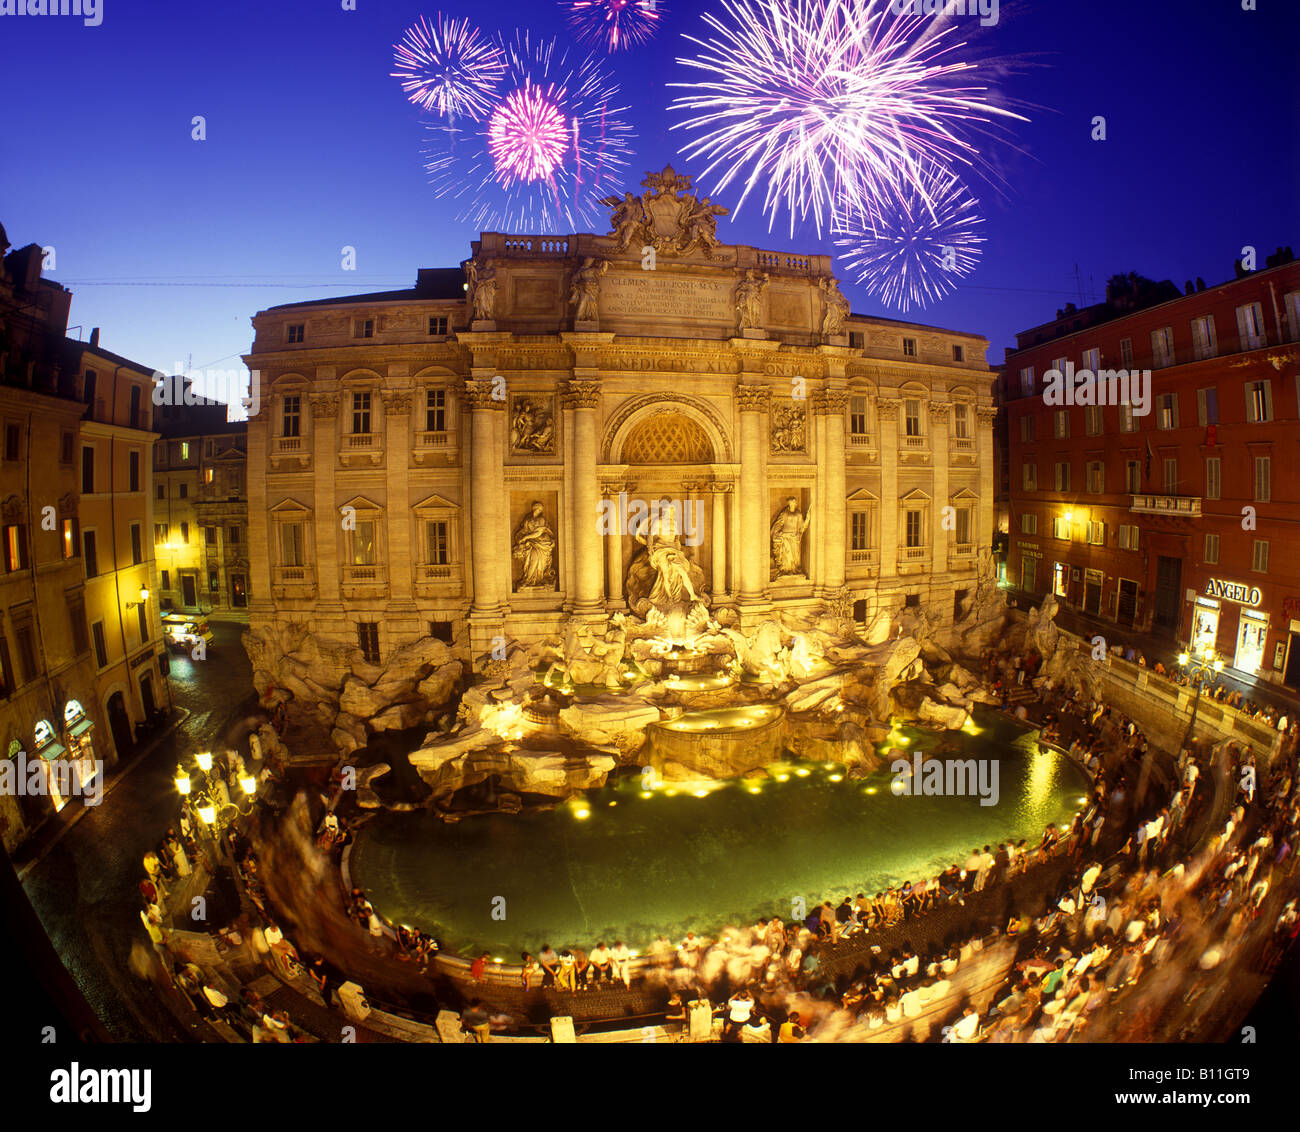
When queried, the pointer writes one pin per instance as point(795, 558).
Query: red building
point(1172, 503)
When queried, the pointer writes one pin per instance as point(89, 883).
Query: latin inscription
point(662, 296)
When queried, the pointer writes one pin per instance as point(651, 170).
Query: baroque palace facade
point(473, 453)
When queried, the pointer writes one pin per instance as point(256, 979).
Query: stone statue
point(531, 426)
point(663, 576)
point(787, 539)
point(667, 217)
point(586, 289)
point(626, 220)
point(534, 546)
point(482, 291)
point(701, 222)
point(788, 424)
point(749, 299)
point(837, 308)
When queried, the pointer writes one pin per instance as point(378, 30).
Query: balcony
point(431, 439)
point(911, 559)
point(1178, 506)
point(915, 443)
point(291, 452)
point(288, 443)
point(861, 440)
point(369, 580)
point(360, 440)
point(361, 448)
point(961, 552)
point(437, 580)
point(293, 581)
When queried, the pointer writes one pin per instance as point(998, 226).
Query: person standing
point(622, 959)
point(477, 1021)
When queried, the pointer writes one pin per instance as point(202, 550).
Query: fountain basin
point(718, 744)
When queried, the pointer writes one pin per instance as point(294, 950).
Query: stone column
point(403, 549)
point(486, 416)
point(754, 540)
point(615, 492)
point(830, 407)
point(939, 411)
point(887, 422)
point(582, 396)
point(325, 459)
point(983, 517)
point(261, 554)
point(718, 501)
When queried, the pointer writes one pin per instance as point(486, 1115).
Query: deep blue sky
point(311, 146)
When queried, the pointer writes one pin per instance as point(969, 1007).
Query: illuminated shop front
point(1205, 624)
point(1251, 646)
point(81, 743)
point(50, 749)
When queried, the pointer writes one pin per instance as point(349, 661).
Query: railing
point(864, 557)
point(784, 262)
point(916, 442)
point(535, 245)
point(430, 572)
point(361, 440)
point(1183, 506)
point(293, 581)
point(285, 575)
point(288, 443)
point(367, 575)
point(912, 555)
point(433, 580)
point(962, 550)
point(431, 439)
point(963, 444)
point(860, 440)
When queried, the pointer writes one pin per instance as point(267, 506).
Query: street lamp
point(1203, 665)
point(210, 800)
point(144, 597)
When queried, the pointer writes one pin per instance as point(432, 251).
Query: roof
point(432, 283)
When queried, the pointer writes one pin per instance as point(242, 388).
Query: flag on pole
point(1150, 456)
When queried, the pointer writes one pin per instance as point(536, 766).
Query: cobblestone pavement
point(82, 869)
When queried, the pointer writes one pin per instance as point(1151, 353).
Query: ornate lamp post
point(1203, 665)
point(211, 801)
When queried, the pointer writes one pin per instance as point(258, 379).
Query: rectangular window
point(961, 421)
point(1096, 533)
point(363, 543)
point(1167, 411)
point(858, 531)
point(1027, 429)
point(1127, 422)
point(1259, 560)
point(1211, 548)
point(15, 548)
point(137, 550)
point(857, 340)
point(67, 442)
point(1263, 478)
point(1259, 401)
point(1250, 326)
point(1128, 537)
point(101, 645)
point(210, 536)
point(1171, 475)
point(1132, 476)
point(291, 544)
point(437, 325)
point(185, 533)
point(1092, 359)
point(159, 534)
point(1207, 406)
point(166, 583)
point(87, 471)
point(89, 557)
point(1029, 477)
point(857, 416)
point(232, 534)
point(1096, 477)
point(8, 681)
point(914, 528)
point(142, 620)
point(185, 488)
point(214, 581)
point(1204, 344)
point(909, 347)
point(963, 526)
point(209, 474)
point(1029, 524)
point(133, 471)
point(71, 538)
point(365, 328)
point(13, 442)
point(88, 387)
point(1061, 528)
point(133, 410)
point(160, 490)
point(435, 410)
point(361, 412)
point(296, 332)
point(442, 631)
point(1061, 424)
point(291, 419)
point(1092, 420)
point(436, 542)
point(1162, 347)
point(368, 639)
point(1058, 364)
point(1291, 301)
point(1062, 480)
point(185, 450)
point(912, 418)
point(77, 619)
point(1212, 477)
point(1126, 353)
point(1027, 381)
point(28, 660)
point(958, 353)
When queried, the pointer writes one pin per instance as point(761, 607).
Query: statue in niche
point(788, 422)
point(662, 575)
point(586, 289)
point(787, 539)
point(534, 546)
point(482, 291)
point(749, 299)
point(532, 428)
point(837, 308)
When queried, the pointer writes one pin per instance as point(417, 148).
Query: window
point(1126, 353)
point(166, 580)
point(1162, 347)
point(1096, 477)
point(1027, 429)
point(961, 421)
point(1096, 533)
point(368, 639)
point(914, 528)
point(133, 471)
point(1259, 560)
point(1171, 475)
point(909, 347)
point(1092, 420)
point(88, 387)
point(13, 442)
point(958, 353)
point(8, 681)
point(101, 646)
point(912, 417)
point(1058, 364)
point(1211, 548)
point(1291, 300)
point(1061, 528)
point(214, 581)
point(1167, 411)
point(437, 326)
point(134, 409)
point(963, 526)
point(1250, 326)
point(137, 551)
point(185, 488)
point(185, 450)
point(77, 619)
point(290, 544)
point(160, 491)
point(15, 547)
point(361, 412)
point(1263, 477)
point(159, 534)
point(857, 416)
point(296, 331)
point(27, 656)
point(1127, 422)
point(1132, 476)
point(142, 619)
point(209, 474)
point(1212, 477)
point(87, 471)
point(1092, 359)
point(233, 536)
point(1061, 424)
point(1128, 537)
point(185, 533)
point(442, 631)
point(365, 328)
point(1207, 406)
point(291, 418)
point(363, 543)
point(1062, 475)
point(1259, 401)
point(857, 340)
point(1027, 381)
point(1029, 524)
point(1029, 477)
point(1203, 341)
point(435, 410)
point(436, 542)
point(89, 557)
point(858, 531)
point(66, 443)
point(210, 536)
point(71, 538)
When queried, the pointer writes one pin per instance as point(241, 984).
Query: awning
point(52, 751)
point(81, 727)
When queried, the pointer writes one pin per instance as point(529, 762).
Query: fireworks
point(615, 23)
point(550, 148)
point(916, 250)
point(830, 104)
point(452, 70)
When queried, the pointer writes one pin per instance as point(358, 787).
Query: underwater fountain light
point(803, 772)
point(837, 778)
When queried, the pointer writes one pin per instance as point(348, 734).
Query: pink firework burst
point(615, 23)
point(449, 69)
point(527, 135)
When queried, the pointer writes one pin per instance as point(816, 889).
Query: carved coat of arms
point(667, 216)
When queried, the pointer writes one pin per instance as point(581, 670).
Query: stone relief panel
point(789, 429)
point(532, 424)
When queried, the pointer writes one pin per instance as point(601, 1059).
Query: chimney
point(94, 336)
